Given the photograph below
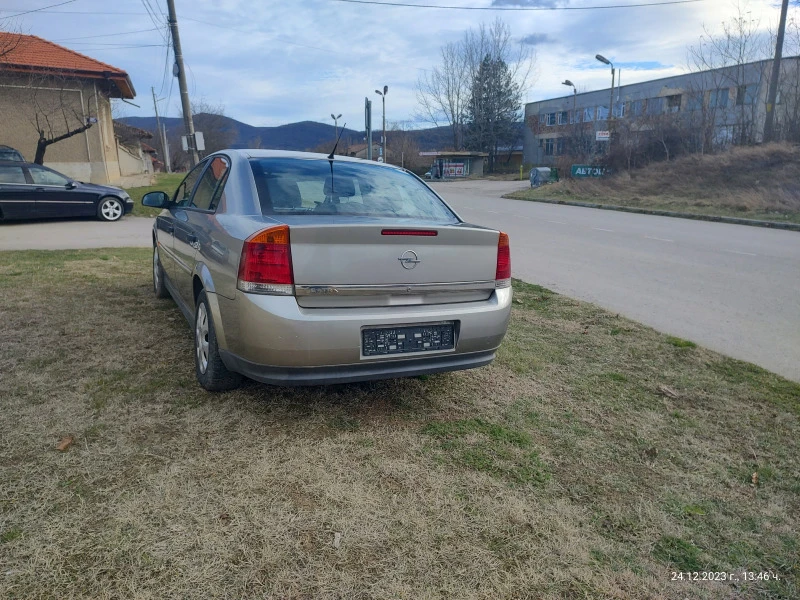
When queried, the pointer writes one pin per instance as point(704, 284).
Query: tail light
point(502, 275)
point(265, 266)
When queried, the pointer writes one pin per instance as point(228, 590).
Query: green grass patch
point(165, 182)
point(680, 343)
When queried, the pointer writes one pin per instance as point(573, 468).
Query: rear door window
point(12, 175)
point(183, 194)
point(310, 186)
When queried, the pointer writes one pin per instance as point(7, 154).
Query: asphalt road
point(731, 288)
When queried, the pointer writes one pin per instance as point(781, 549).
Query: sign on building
point(602, 136)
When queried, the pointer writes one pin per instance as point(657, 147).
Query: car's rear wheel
point(158, 276)
point(211, 372)
point(110, 209)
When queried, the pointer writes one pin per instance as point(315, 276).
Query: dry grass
point(752, 182)
point(594, 457)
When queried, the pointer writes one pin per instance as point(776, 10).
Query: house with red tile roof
point(53, 93)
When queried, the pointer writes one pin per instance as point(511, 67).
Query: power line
point(280, 39)
point(86, 37)
point(27, 12)
point(518, 8)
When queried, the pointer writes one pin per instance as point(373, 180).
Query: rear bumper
point(326, 375)
point(273, 334)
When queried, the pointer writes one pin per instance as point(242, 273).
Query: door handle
point(40, 189)
point(194, 242)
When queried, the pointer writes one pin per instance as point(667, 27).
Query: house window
point(560, 146)
point(655, 106)
point(602, 113)
point(719, 98)
point(542, 119)
point(563, 117)
point(588, 114)
point(637, 107)
point(541, 142)
point(674, 103)
point(746, 94)
point(619, 110)
point(548, 147)
point(551, 118)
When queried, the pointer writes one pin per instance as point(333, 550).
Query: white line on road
point(745, 253)
point(559, 222)
point(651, 237)
point(494, 212)
point(601, 229)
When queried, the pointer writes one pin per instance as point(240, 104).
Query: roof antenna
point(330, 156)
point(336, 145)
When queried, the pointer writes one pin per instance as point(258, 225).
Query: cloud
point(534, 39)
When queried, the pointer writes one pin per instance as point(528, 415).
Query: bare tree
point(444, 91)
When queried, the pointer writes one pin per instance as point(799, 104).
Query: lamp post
point(605, 61)
point(336, 125)
point(574, 97)
point(383, 134)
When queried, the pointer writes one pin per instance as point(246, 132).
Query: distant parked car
point(299, 269)
point(31, 191)
point(8, 153)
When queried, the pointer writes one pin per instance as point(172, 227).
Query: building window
point(541, 142)
point(655, 106)
point(588, 114)
point(602, 113)
point(551, 118)
point(548, 147)
point(619, 110)
point(695, 101)
point(674, 103)
point(560, 146)
point(637, 107)
point(719, 98)
point(746, 94)
point(563, 117)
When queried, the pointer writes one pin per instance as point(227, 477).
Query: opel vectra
point(306, 269)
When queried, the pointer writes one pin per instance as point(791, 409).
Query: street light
point(605, 61)
point(574, 97)
point(336, 125)
point(383, 135)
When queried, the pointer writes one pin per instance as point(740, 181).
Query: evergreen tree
point(493, 109)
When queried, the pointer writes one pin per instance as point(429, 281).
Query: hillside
point(304, 135)
point(760, 182)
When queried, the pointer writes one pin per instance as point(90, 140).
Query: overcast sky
point(271, 62)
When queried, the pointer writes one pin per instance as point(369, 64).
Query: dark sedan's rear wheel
point(158, 276)
point(211, 372)
point(110, 209)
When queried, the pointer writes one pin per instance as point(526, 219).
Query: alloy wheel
point(201, 337)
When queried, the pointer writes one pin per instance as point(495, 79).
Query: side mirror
point(71, 185)
point(155, 200)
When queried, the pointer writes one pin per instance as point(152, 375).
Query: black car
point(8, 153)
point(31, 191)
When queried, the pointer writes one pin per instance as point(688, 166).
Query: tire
point(211, 372)
point(110, 209)
point(159, 287)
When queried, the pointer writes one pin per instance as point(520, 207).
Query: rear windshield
point(292, 186)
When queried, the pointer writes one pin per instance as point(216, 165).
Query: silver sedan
point(307, 269)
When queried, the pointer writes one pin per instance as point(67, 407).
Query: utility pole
point(161, 140)
point(166, 148)
point(383, 134)
point(368, 125)
point(772, 95)
point(185, 104)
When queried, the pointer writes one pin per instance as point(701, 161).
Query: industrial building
point(723, 106)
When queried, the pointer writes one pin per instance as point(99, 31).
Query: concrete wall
point(88, 156)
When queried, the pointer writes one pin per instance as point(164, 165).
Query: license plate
point(401, 340)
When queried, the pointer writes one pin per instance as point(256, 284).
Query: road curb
point(666, 213)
